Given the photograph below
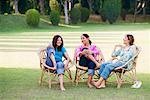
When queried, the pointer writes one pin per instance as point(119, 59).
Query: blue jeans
point(106, 68)
point(87, 63)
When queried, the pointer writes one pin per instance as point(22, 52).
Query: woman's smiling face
point(59, 41)
point(84, 40)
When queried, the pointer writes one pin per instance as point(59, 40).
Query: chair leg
point(41, 77)
point(49, 80)
point(118, 80)
point(69, 73)
point(77, 76)
point(134, 75)
point(70, 76)
point(97, 74)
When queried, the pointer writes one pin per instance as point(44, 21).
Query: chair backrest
point(131, 64)
point(42, 56)
point(138, 50)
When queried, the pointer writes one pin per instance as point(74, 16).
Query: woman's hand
point(84, 52)
point(89, 52)
point(113, 58)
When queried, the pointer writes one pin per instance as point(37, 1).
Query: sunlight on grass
point(12, 24)
point(48, 22)
point(69, 26)
point(23, 84)
point(63, 25)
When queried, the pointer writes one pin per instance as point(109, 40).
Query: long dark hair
point(130, 38)
point(54, 42)
point(87, 36)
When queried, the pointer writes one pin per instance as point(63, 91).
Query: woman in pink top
point(88, 56)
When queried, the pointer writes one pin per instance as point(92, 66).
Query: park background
point(28, 25)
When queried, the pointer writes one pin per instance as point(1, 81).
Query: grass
point(23, 84)
point(11, 24)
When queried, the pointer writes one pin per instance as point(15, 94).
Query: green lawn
point(16, 84)
point(11, 24)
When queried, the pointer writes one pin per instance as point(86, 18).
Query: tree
point(65, 5)
point(96, 6)
point(85, 4)
point(47, 7)
point(42, 9)
point(140, 5)
point(74, 2)
point(54, 5)
point(16, 6)
point(111, 10)
point(0, 7)
point(90, 2)
point(5, 6)
point(24, 5)
point(75, 15)
point(125, 7)
point(66, 12)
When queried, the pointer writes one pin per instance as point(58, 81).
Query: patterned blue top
point(124, 54)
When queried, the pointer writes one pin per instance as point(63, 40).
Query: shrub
point(75, 15)
point(85, 13)
point(54, 17)
point(32, 17)
point(111, 10)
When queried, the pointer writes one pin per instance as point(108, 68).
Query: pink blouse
point(92, 48)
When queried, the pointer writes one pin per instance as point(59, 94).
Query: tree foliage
point(111, 10)
point(75, 15)
point(85, 13)
point(54, 5)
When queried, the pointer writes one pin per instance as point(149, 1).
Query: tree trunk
point(144, 9)
point(135, 10)
point(42, 9)
point(66, 13)
point(90, 4)
point(16, 6)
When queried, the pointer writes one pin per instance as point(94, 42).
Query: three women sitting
point(87, 54)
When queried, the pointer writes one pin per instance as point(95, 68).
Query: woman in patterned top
point(119, 58)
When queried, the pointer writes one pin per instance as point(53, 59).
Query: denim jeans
point(87, 63)
point(106, 68)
